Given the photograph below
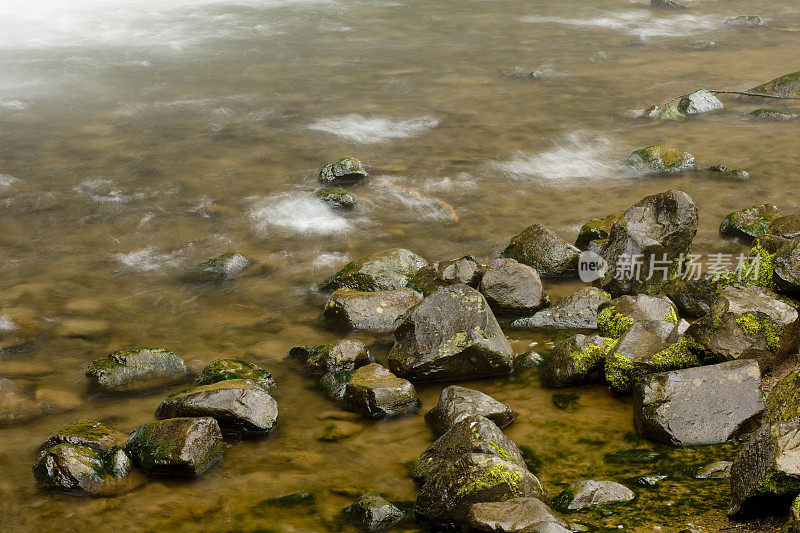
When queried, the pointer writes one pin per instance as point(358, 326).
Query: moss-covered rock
point(177, 446)
point(382, 271)
point(701, 101)
point(457, 403)
point(722, 173)
point(661, 160)
point(375, 392)
point(82, 469)
point(578, 360)
point(750, 223)
point(439, 274)
point(336, 197)
point(787, 226)
point(715, 470)
point(618, 315)
point(513, 288)
point(692, 296)
point(344, 170)
point(770, 113)
point(219, 269)
point(372, 512)
point(136, 369)
point(91, 433)
point(786, 86)
point(335, 357)
point(333, 384)
point(590, 493)
point(594, 229)
point(786, 268)
point(222, 369)
point(540, 248)
point(783, 402)
point(377, 311)
point(669, 112)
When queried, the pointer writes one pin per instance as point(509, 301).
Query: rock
point(16, 404)
point(667, 4)
point(440, 274)
point(786, 267)
point(345, 170)
point(786, 86)
point(703, 405)
point(378, 311)
point(596, 228)
point(83, 328)
point(382, 271)
point(19, 329)
point(577, 360)
point(452, 334)
point(222, 369)
point(721, 172)
point(669, 112)
point(787, 226)
point(89, 433)
point(177, 446)
point(238, 406)
point(590, 493)
point(219, 269)
point(768, 113)
point(693, 297)
point(511, 287)
point(511, 516)
point(336, 357)
point(445, 500)
point(617, 316)
point(333, 384)
point(543, 250)
point(472, 434)
point(661, 160)
point(337, 430)
point(374, 391)
point(650, 480)
point(750, 21)
point(136, 369)
point(81, 469)
point(658, 228)
point(576, 311)
point(766, 473)
point(55, 401)
point(748, 322)
point(701, 101)
point(783, 401)
point(371, 512)
point(716, 470)
point(527, 360)
point(336, 197)
point(457, 403)
point(750, 223)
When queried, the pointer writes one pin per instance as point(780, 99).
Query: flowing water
point(138, 137)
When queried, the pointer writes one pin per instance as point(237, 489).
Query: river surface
point(138, 137)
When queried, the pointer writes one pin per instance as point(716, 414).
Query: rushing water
point(138, 137)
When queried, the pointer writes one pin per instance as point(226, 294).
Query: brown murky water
point(137, 139)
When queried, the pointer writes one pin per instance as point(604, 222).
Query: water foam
point(361, 129)
point(642, 24)
point(7, 180)
point(148, 260)
point(297, 214)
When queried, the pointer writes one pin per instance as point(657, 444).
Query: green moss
point(761, 325)
point(586, 360)
point(755, 272)
point(502, 453)
point(779, 483)
point(612, 324)
point(672, 316)
point(497, 474)
point(619, 373)
point(716, 323)
point(676, 356)
point(783, 403)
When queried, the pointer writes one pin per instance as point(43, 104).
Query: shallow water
point(138, 137)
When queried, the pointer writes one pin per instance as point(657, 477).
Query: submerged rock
point(440, 274)
point(372, 512)
point(715, 470)
point(223, 268)
point(374, 391)
point(223, 369)
point(16, 404)
point(136, 369)
point(589, 493)
point(336, 357)
point(749, 21)
point(661, 160)
point(336, 197)
point(457, 403)
point(238, 405)
point(540, 248)
point(382, 271)
point(703, 405)
point(750, 223)
point(377, 311)
point(701, 101)
point(516, 515)
point(768, 113)
point(89, 433)
point(452, 334)
point(345, 170)
point(81, 469)
point(576, 311)
point(786, 86)
point(577, 360)
point(721, 172)
point(511, 287)
point(177, 446)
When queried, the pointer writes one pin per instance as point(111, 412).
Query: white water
point(365, 130)
point(298, 214)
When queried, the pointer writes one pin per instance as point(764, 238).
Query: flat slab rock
point(512, 516)
point(576, 311)
point(457, 403)
point(374, 391)
point(177, 446)
point(377, 311)
point(90, 433)
point(589, 493)
point(702, 405)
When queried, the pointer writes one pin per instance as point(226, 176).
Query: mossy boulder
point(335, 357)
point(17, 404)
point(770, 113)
point(372, 512)
point(91, 433)
point(701, 101)
point(375, 392)
point(786, 267)
point(136, 369)
point(344, 170)
point(786, 86)
point(336, 197)
point(747, 21)
point(219, 269)
point(438, 274)
point(704, 405)
point(590, 493)
point(222, 369)
point(333, 384)
point(540, 248)
point(579, 310)
point(82, 469)
point(513, 288)
point(238, 406)
point(177, 446)
point(382, 271)
point(457, 403)
point(452, 334)
point(595, 229)
point(516, 515)
point(578, 360)
point(377, 311)
point(783, 401)
point(692, 296)
point(787, 226)
point(654, 160)
point(749, 223)
point(618, 315)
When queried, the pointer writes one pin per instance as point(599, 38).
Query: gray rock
point(512, 516)
point(590, 493)
point(667, 4)
point(616, 317)
point(457, 403)
point(222, 369)
point(440, 274)
point(703, 405)
point(721, 172)
point(336, 197)
point(377, 311)
point(374, 391)
point(81, 469)
point(177, 446)
point(219, 269)
point(576, 311)
point(238, 405)
point(336, 357)
point(786, 267)
point(749, 21)
point(372, 512)
point(136, 369)
point(787, 226)
point(345, 170)
point(701, 101)
point(715, 470)
point(89, 433)
point(578, 360)
point(768, 113)
point(540, 248)
point(17, 405)
point(750, 223)
point(657, 160)
point(452, 334)
point(382, 271)
point(511, 287)
point(692, 297)
point(595, 229)
point(787, 85)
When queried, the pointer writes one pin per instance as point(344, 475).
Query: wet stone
point(540, 248)
point(576, 311)
point(17, 405)
point(591, 493)
point(336, 357)
point(661, 160)
point(715, 470)
point(440, 274)
point(136, 369)
point(90, 433)
point(577, 360)
point(516, 515)
point(336, 197)
point(379, 311)
point(177, 446)
point(701, 101)
point(382, 271)
point(748, 21)
point(514, 288)
point(372, 512)
point(750, 223)
point(375, 392)
point(457, 403)
point(223, 369)
point(344, 170)
point(219, 269)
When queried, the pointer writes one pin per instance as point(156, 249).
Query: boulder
point(748, 21)
point(787, 226)
point(445, 500)
point(336, 357)
point(345, 170)
point(219, 269)
point(577, 360)
point(590, 493)
point(516, 515)
point(90, 433)
point(703, 405)
point(576, 311)
point(378, 311)
point(768, 113)
point(238, 406)
point(511, 287)
point(786, 86)
point(701, 101)
point(374, 391)
point(472, 434)
point(222, 369)
point(17, 405)
point(765, 476)
point(452, 334)
point(336, 197)
point(372, 512)
point(336, 430)
point(136, 369)
point(658, 229)
point(750, 223)
point(382, 271)
point(786, 267)
point(438, 274)
point(617, 316)
point(595, 229)
point(176, 446)
point(783, 401)
point(540, 248)
point(654, 160)
point(693, 296)
point(457, 403)
point(81, 469)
